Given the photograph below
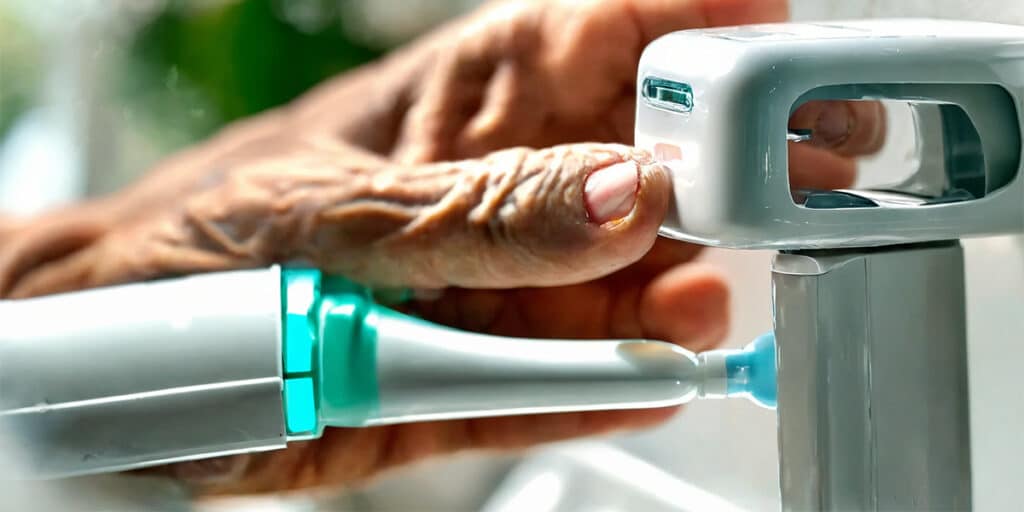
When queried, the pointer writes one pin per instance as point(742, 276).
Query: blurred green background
point(225, 59)
point(20, 75)
point(236, 59)
point(119, 84)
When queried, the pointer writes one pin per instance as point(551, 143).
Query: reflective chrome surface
point(872, 368)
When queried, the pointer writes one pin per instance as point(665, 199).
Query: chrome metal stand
point(872, 376)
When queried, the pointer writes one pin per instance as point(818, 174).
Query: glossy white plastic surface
point(428, 372)
point(731, 179)
point(142, 374)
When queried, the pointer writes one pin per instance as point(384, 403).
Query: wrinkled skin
point(398, 174)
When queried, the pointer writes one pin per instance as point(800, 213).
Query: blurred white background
point(70, 144)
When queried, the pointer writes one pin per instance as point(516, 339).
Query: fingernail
point(610, 193)
point(834, 124)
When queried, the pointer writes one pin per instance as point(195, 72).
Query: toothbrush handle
point(137, 375)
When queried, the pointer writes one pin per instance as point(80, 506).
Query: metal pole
point(872, 375)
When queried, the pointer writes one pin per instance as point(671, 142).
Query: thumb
point(514, 218)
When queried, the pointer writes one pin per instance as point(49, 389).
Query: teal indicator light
point(667, 94)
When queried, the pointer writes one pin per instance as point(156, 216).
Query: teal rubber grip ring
point(300, 412)
point(300, 295)
point(346, 366)
point(301, 292)
point(329, 350)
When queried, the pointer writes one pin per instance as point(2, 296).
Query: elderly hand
point(398, 174)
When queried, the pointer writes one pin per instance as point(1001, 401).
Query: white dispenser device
point(868, 287)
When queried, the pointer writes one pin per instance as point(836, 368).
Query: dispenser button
point(667, 94)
